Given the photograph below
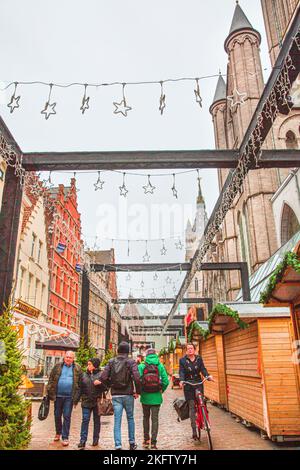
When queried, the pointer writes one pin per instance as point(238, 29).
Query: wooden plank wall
point(208, 352)
point(280, 376)
point(244, 388)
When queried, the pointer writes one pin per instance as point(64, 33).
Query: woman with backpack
point(154, 381)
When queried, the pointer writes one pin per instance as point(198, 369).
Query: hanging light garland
point(49, 108)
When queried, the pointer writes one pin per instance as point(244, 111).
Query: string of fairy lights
point(121, 106)
point(148, 188)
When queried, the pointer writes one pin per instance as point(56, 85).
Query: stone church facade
point(250, 230)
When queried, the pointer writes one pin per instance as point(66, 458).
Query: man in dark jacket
point(191, 367)
point(122, 376)
point(89, 396)
point(64, 389)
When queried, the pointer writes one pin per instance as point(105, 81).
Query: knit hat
point(123, 348)
point(96, 362)
point(150, 351)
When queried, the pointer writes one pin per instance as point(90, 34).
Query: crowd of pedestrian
point(125, 380)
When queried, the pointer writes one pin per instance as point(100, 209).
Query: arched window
point(244, 237)
point(291, 140)
point(289, 224)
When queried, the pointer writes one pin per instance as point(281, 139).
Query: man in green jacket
point(154, 381)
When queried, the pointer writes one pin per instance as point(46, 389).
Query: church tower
point(248, 232)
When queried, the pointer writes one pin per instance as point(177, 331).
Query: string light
point(237, 98)
point(175, 192)
point(122, 108)
point(85, 104)
point(123, 189)
point(14, 100)
point(146, 257)
point(197, 93)
point(163, 251)
point(149, 188)
point(162, 99)
point(49, 107)
point(99, 184)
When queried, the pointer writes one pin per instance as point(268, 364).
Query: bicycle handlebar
point(195, 385)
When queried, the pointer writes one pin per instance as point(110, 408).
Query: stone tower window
point(289, 224)
point(291, 140)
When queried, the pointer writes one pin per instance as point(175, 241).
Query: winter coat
point(90, 392)
point(54, 378)
point(154, 398)
point(191, 372)
point(134, 384)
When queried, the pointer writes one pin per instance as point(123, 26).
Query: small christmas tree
point(110, 354)
point(85, 352)
point(14, 421)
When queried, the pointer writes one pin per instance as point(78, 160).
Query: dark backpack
point(181, 407)
point(151, 379)
point(44, 408)
point(120, 375)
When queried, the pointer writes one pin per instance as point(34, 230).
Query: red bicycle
point(202, 416)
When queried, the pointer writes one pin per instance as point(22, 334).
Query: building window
point(29, 289)
point(36, 291)
point(1, 175)
point(289, 224)
point(291, 140)
point(33, 243)
point(22, 280)
point(42, 296)
point(39, 252)
point(196, 285)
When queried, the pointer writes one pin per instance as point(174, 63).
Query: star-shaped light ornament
point(237, 98)
point(155, 277)
point(197, 93)
point(99, 183)
point(48, 182)
point(14, 100)
point(179, 245)
point(85, 104)
point(174, 190)
point(128, 278)
point(146, 257)
point(163, 251)
point(122, 108)
point(162, 99)
point(149, 188)
point(49, 107)
point(123, 189)
point(168, 280)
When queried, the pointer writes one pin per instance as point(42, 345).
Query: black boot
point(81, 445)
point(133, 447)
point(95, 442)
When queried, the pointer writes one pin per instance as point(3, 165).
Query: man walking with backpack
point(154, 381)
point(122, 376)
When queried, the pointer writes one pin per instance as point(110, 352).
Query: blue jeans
point(120, 403)
point(63, 407)
point(86, 416)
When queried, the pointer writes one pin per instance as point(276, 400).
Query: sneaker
point(65, 442)
point(132, 446)
point(195, 437)
point(81, 445)
point(146, 444)
point(153, 446)
point(118, 448)
point(57, 437)
point(95, 442)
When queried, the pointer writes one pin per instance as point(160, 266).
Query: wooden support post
point(85, 301)
point(9, 228)
point(219, 339)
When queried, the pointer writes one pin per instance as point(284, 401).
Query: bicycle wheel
point(207, 429)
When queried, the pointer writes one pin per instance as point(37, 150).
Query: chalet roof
point(239, 21)
point(256, 310)
point(220, 93)
point(260, 278)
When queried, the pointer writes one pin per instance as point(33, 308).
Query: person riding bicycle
point(191, 367)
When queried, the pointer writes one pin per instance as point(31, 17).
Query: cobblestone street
point(227, 434)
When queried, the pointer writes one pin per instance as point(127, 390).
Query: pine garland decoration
point(290, 259)
point(110, 354)
point(14, 421)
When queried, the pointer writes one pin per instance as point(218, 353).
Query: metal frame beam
point(149, 160)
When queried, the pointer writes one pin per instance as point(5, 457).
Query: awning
point(58, 344)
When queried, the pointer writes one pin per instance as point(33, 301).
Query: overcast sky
point(94, 41)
